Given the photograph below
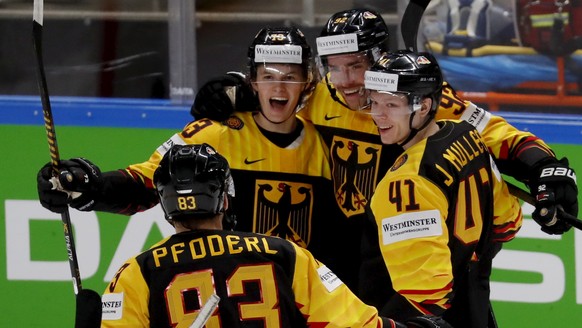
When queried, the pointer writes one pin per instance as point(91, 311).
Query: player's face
point(279, 88)
point(347, 75)
point(391, 113)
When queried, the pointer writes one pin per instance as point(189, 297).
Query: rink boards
point(537, 278)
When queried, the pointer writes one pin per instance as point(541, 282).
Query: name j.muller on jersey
point(464, 150)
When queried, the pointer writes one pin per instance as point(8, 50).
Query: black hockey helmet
point(192, 181)
point(354, 31)
point(367, 25)
point(417, 74)
point(282, 45)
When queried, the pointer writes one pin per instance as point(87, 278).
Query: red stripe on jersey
point(507, 231)
point(531, 142)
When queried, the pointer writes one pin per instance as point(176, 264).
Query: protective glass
point(290, 74)
point(389, 104)
point(343, 69)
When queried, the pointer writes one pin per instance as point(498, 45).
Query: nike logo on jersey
point(251, 162)
point(328, 118)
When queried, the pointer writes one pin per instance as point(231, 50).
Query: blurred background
point(156, 49)
point(109, 48)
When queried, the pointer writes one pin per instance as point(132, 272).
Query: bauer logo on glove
point(556, 192)
point(558, 172)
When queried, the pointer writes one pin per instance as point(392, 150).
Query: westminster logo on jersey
point(354, 172)
point(284, 209)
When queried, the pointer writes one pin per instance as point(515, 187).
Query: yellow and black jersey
point(261, 282)
point(442, 205)
point(515, 151)
point(359, 160)
point(283, 192)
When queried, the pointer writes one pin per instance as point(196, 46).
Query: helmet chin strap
point(333, 93)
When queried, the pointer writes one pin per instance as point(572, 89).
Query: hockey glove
point(50, 198)
point(427, 321)
point(77, 183)
point(554, 188)
point(218, 98)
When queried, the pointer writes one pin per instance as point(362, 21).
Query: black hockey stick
point(49, 125)
point(88, 310)
point(411, 21)
point(528, 198)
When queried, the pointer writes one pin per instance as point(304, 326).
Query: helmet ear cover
point(192, 180)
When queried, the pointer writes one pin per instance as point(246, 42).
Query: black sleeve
point(526, 159)
point(122, 194)
point(398, 308)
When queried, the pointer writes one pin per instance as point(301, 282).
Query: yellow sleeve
point(502, 138)
point(414, 243)
point(314, 104)
point(196, 132)
point(507, 215)
point(125, 300)
point(326, 301)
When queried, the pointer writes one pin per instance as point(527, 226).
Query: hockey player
point(259, 280)
point(278, 160)
point(442, 211)
point(351, 41)
point(517, 153)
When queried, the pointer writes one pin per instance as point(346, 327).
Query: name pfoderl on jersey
point(112, 306)
point(558, 172)
point(328, 278)
point(411, 225)
point(209, 246)
point(478, 117)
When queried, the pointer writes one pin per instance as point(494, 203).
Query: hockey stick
point(411, 21)
point(88, 309)
point(526, 197)
point(206, 311)
point(49, 125)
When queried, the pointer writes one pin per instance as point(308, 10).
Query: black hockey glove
point(554, 187)
point(427, 321)
point(218, 98)
point(76, 184)
point(50, 198)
